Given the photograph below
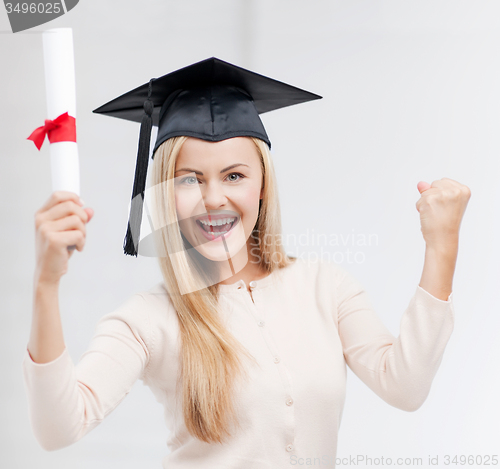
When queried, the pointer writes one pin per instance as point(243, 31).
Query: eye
point(189, 178)
point(240, 176)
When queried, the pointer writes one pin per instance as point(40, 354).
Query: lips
point(216, 217)
point(216, 228)
point(215, 231)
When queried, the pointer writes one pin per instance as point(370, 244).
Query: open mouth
point(216, 228)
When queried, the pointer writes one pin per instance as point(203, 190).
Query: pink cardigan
point(304, 324)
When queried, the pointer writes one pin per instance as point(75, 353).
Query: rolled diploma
point(61, 97)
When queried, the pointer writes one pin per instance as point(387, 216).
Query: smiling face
point(218, 186)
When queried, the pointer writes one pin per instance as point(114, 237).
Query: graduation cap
point(212, 100)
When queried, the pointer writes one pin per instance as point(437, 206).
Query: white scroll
point(61, 97)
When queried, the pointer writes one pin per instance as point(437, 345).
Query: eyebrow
point(222, 171)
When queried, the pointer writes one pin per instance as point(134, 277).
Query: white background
point(411, 92)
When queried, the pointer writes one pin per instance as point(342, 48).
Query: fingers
point(60, 240)
point(72, 222)
point(423, 186)
point(60, 196)
point(90, 213)
point(450, 185)
point(60, 210)
point(60, 223)
point(452, 189)
point(443, 189)
point(62, 220)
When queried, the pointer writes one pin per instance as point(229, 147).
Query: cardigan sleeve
point(67, 401)
point(399, 370)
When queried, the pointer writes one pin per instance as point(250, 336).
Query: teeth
point(223, 221)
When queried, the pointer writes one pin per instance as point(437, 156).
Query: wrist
point(41, 283)
point(446, 249)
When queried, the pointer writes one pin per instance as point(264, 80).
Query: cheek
point(178, 204)
point(182, 207)
point(185, 203)
point(249, 201)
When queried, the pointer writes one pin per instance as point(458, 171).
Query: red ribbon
point(61, 129)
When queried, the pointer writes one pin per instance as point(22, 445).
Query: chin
point(213, 256)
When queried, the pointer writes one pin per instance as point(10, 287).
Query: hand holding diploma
point(59, 223)
point(441, 206)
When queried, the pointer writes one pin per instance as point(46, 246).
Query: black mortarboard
point(211, 100)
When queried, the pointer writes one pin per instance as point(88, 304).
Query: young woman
point(245, 346)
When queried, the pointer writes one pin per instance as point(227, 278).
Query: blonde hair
point(210, 355)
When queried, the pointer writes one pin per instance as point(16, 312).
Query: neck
point(246, 271)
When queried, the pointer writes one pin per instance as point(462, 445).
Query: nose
point(214, 195)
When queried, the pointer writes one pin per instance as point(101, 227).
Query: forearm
point(400, 369)
point(46, 341)
point(439, 268)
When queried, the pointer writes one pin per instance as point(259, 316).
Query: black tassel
point(131, 241)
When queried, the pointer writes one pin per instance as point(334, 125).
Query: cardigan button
point(289, 401)
point(289, 448)
point(253, 284)
point(276, 359)
point(261, 323)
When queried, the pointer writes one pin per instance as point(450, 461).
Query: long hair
point(211, 357)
